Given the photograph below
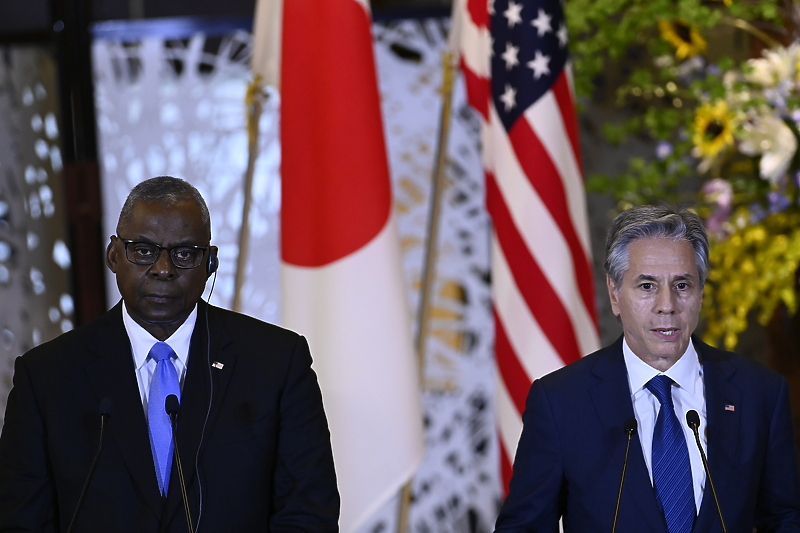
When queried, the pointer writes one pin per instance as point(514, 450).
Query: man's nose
point(665, 301)
point(163, 266)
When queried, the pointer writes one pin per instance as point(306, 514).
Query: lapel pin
point(218, 366)
point(730, 407)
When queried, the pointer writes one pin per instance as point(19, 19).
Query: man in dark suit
point(570, 455)
point(251, 430)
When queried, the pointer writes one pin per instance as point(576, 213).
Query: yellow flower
point(686, 39)
point(713, 129)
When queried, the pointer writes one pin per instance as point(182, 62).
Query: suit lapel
point(723, 407)
point(612, 401)
point(112, 375)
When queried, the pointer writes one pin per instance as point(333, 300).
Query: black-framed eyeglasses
point(146, 253)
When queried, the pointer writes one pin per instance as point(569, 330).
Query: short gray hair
point(164, 190)
point(651, 221)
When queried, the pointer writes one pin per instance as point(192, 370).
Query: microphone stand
point(172, 406)
point(630, 429)
point(693, 420)
point(105, 412)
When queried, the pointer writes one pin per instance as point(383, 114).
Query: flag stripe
point(506, 468)
point(563, 95)
point(526, 337)
point(545, 179)
point(509, 419)
point(532, 219)
point(549, 126)
point(514, 377)
point(478, 89)
point(533, 284)
point(476, 40)
point(478, 13)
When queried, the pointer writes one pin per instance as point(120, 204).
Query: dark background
point(34, 19)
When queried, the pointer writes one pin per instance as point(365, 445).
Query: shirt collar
point(683, 372)
point(142, 341)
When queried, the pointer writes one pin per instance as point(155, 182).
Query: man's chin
point(670, 353)
point(159, 319)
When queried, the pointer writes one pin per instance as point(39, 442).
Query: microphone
point(693, 420)
point(104, 412)
point(630, 429)
point(172, 407)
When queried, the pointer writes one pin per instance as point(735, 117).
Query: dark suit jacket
point(570, 455)
point(262, 448)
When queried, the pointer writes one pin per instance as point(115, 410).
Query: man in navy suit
point(570, 455)
point(251, 429)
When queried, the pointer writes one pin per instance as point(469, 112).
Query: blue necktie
point(164, 383)
point(672, 471)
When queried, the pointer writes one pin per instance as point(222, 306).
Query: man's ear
point(112, 257)
point(612, 295)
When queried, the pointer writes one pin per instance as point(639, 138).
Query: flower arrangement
point(724, 123)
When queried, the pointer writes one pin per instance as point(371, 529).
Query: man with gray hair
point(623, 411)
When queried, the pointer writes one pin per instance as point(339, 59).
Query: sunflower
point(713, 129)
point(686, 39)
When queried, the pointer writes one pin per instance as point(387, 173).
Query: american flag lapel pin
point(218, 366)
point(730, 407)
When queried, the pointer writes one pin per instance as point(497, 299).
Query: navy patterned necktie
point(164, 383)
point(672, 471)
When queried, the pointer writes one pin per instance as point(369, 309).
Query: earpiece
point(213, 264)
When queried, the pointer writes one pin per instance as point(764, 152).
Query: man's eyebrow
point(185, 242)
point(680, 277)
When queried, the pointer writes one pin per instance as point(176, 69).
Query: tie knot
point(161, 351)
point(661, 387)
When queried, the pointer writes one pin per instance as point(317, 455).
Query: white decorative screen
point(35, 263)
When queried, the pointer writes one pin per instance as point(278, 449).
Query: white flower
point(760, 72)
point(768, 136)
point(665, 61)
point(777, 64)
point(690, 66)
point(729, 78)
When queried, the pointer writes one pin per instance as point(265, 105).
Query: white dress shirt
point(142, 342)
point(687, 393)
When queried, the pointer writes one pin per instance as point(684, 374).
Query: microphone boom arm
point(105, 412)
point(693, 420)
point(172, 406)
point(630, 429)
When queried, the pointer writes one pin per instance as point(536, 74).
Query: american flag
point(515, 64)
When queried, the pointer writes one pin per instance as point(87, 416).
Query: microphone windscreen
point(105, 406)
point(692, 418)
point(171, 405)
point(631, 425)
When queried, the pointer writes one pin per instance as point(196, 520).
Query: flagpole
point(254, 103)
point(429, 259)
point(266, 65)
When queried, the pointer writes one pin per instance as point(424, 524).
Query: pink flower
point(720, 193)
